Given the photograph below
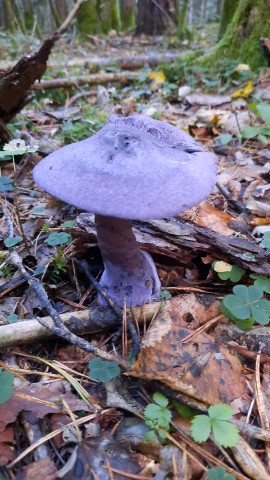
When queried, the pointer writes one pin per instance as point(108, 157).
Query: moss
point(88, 18)
point(242, 38)
point(228, 10)
point(92, 123)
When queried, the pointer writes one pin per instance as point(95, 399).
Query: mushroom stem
point(129, 273)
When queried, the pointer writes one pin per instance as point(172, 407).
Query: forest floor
point(63, 415)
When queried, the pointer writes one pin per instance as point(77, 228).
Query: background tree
point(127, 14)
point(228, 10)
point(155, 17)
point(241, 41)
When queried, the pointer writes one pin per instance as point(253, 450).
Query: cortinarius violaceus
point(133, 168)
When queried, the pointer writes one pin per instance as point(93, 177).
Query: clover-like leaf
point(262, 282)
point(12, 241)
point(226, 271)
point(6, 184)
point(266, 240)
point(246, 303)
point(103, 370)
point(58, 238)
point(6, 386)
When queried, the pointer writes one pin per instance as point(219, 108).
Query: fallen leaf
point(40, 399)
point(44, 469)
point(158, 78)
point(199, 368)
point(214, 219)
point(244, 91)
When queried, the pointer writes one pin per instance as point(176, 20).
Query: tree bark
point(185, 241)
point(127, 12)
point(242, 38)
point(228, 10)
point(182, 19)
point(153, 19)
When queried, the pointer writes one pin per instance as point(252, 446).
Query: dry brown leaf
point(200, 368)
point(40, 399)
point(44, 469)
point(214, 219)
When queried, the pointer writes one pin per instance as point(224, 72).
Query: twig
point(238, 206)
point(58, 328)
point(70, 16)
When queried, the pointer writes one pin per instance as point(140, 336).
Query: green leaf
point(245, 324)
point(236, 273)
point(250, 132)
point(220, 411)
point(160, 399)
point(263, 110)
point(150, 436)
point(219, 473)
point(184, 411)
point(6, 184)
point(12, 318)
point(262, 282)
point(266, 240)
point(223, 139)
point(6, 386)
point(261, 311)
point(12, 241)
point(58, 238)
point(225, 433)
point(161, 415)
point(247, 302)
point(68, 224)
point(103, 370)
point(200, 428)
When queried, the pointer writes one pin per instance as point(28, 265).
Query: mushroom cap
point(134, 168)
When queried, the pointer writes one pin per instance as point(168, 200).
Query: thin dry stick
point(70, 16)
point(201, 329)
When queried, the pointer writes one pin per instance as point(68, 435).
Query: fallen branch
point(15, 83)
point(98, 78)
point(85, 322)
point(182, 241)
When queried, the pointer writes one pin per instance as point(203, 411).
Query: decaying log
point(84, 322)
point(98, 78)
point(123, 63)
point(183, 241)
point(15, 83)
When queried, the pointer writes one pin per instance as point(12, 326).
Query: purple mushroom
point(133, 168)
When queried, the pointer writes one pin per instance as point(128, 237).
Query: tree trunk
point(242, 38)
point(127, 12)
point(153, 19)
point(87, 18)
point(219, 8)
point(228, 10)
point(182, 19)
